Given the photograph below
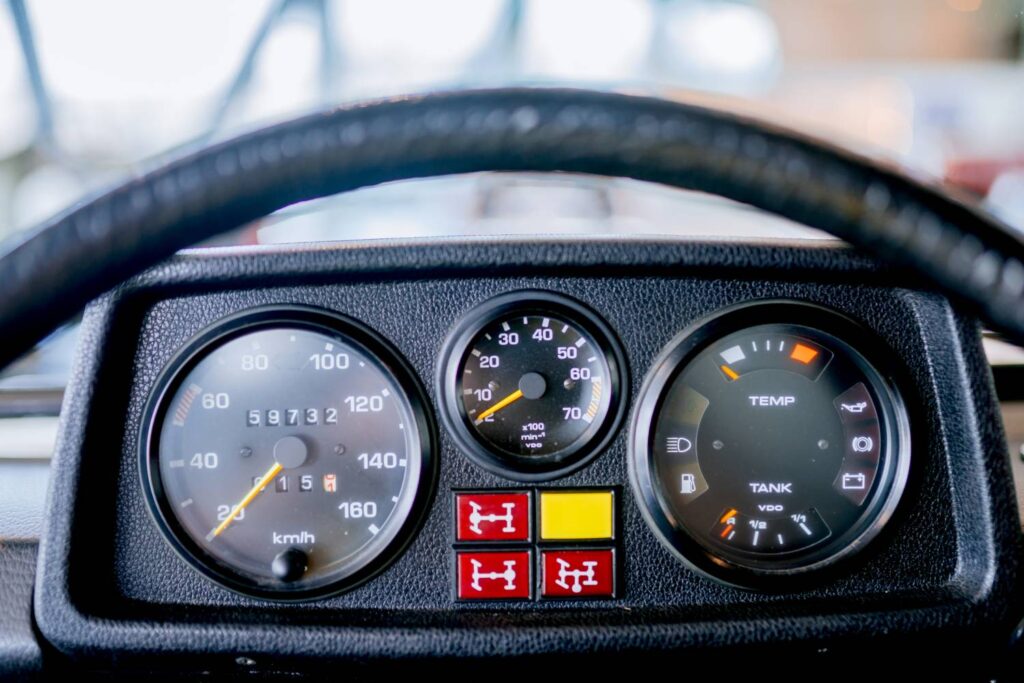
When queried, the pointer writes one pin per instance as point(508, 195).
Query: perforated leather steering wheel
point(59, 267)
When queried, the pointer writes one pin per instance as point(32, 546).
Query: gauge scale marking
point(774, 449)
point(286, 458)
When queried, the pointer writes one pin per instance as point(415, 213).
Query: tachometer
point(532, 384)
point(766, 443)
point(288, 453)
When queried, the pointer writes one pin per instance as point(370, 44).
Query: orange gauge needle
point(253, 492)
point(508, 400)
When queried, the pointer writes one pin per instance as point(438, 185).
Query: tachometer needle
point(508, 400)
point(253, 492)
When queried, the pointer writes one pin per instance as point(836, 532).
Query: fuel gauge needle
point(508, 400)
point(253, 492)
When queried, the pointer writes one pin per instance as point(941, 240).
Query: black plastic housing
point(944, 570)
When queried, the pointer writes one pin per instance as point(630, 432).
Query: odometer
point(532, 383)
point(766, 448)
point(288, 453)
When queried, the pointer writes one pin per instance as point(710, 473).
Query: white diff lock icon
point(580, 577)
point(476, 517)
point(509, 575)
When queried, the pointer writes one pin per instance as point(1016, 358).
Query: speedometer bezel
point(531, 302)
point(874, 359)
point(268, 317)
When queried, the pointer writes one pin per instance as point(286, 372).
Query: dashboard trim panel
point(92, 605)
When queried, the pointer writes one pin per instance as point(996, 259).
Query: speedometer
point(532, 384)
point(288, 453)
point(766, 443)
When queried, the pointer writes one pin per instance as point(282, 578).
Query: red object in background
point(977, 175)
point(494, 575)
point(492, 516)
point(578, 573)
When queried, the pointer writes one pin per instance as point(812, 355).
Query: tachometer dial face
point(288, 453)
point(774, 448)
point(533, 384)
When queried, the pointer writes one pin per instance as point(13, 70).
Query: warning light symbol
point(803, 354)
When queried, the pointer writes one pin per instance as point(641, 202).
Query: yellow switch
point(576, 515)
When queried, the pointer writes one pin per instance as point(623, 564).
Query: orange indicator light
point(727, 515)
point(730, 373)
point(804, 354)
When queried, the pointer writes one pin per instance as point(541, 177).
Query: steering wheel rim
point(60, 266)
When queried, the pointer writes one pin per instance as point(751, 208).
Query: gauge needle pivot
point(249, 497)
point(507, 401)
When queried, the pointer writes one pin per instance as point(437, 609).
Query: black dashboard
point(453, 478)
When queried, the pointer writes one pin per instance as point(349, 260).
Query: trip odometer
point(766, 443)
point(288, 453)
point(532, 383)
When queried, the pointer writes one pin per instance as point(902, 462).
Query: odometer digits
point(287, 453)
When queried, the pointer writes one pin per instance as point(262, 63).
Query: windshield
point(94, 91)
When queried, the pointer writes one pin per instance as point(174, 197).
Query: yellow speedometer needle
point(508, 400)
point(253, 492)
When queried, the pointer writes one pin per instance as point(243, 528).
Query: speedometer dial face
point(772, 448)
point(533, 384)
point(288, 453)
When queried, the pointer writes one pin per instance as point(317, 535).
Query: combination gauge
point(532, 383)
point(768, 442)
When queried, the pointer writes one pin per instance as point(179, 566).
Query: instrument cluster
point(291, 453)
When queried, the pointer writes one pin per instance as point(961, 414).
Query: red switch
point(578, 573)
point(492, 516)
point(494, 575)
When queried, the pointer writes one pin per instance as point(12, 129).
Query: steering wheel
point(56, 269)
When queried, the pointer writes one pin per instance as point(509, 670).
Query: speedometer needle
point(508, 400)
point(253, 492)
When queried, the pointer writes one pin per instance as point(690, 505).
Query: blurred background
point(96, 91)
